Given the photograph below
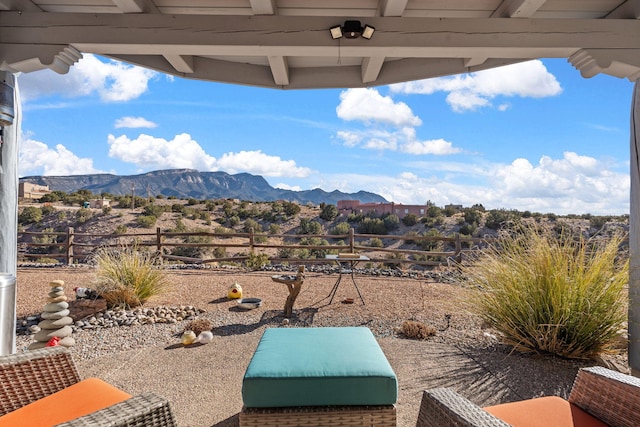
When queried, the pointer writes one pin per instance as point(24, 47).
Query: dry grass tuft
point(198, 326)
point(416, 330)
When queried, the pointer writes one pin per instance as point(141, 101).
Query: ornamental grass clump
point(562, 295)
point(127, 277)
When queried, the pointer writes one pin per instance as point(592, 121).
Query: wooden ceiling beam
point(279, 70)
point(392, 7)
point(258, 33)
point(181, 63)
point(517, 8)
point(371, 67)
point(264, 7)
point(20, 5)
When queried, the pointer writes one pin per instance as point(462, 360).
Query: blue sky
point(532, 136)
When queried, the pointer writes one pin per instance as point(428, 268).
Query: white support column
point(9, 210)
point(9, 185)
point(634, 236)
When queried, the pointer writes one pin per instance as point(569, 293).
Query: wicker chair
point(33, 375)
point(609, 396)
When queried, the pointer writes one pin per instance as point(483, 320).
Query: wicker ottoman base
point(352, 416)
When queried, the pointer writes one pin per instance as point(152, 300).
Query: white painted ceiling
point(286, 43)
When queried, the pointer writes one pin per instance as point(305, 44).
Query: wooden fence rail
point(76, 247)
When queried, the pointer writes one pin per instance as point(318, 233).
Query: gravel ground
point(203, 382)
point(388, 302)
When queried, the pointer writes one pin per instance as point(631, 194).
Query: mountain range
point(189, 183)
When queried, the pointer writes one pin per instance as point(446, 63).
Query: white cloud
point(404, 140)
point(573, 184)
point(438, 147)
point(149, 152)
point(157, 153)
point(368, 105)
point(287, 187)
point(475, 90)
point(36, 158)
point(113, 81)
point(256, 162)
point(134, 123)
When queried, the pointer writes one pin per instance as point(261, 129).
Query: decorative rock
point(36, 345)
point(55, 323)
point(56, 306)
point(67, 342)
point(55, 315)
point(47, 334)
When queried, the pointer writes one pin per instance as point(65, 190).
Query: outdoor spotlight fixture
point(352, 30)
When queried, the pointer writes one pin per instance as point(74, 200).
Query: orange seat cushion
point(544, 412)
point(80, 399)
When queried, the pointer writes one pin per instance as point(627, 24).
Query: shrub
point(83, 215)
point(546, 294)
point(48, 210)
point(252, 224)
point(198, 326)
point(341, 228)
point(416, 330)
point(290, 209)
point(146, 221)
point(120, 229)
point(310, 227)
point(328, 212)
point(106, 210)
point(153, 210)
point(127, 277)
point(257, 261)
point(375, 242)
point(410, 219)
point(30, 215)
point(391, 222)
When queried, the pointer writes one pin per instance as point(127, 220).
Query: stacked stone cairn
point(56, 321)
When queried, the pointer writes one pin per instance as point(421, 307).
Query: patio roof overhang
point(287, 43)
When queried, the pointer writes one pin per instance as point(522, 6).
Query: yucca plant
point(127, 277)
point(563, 295)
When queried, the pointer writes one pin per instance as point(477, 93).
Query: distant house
point(398, 209)
point(28, 190)
point(99, 203)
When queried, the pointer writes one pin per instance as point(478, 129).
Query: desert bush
point(198, 326)
point(340, 228)
point(546, 294)
point(83, 215)
point(410, 220)
point(106, 210)
point(48, 210)
point(375, 242)
point(146, 221)
point(256, 261)
point(30, 215)
point(391, 222)
point(328, 212)
point(127, 277)
point(308, 226)
point(416, 330)
point(120, 229)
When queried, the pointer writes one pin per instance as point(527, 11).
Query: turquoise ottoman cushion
point(318, 367)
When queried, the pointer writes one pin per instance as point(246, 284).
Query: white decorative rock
point(45, 335)
point(55, 315)
point(55, 323)
point(56, 306)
